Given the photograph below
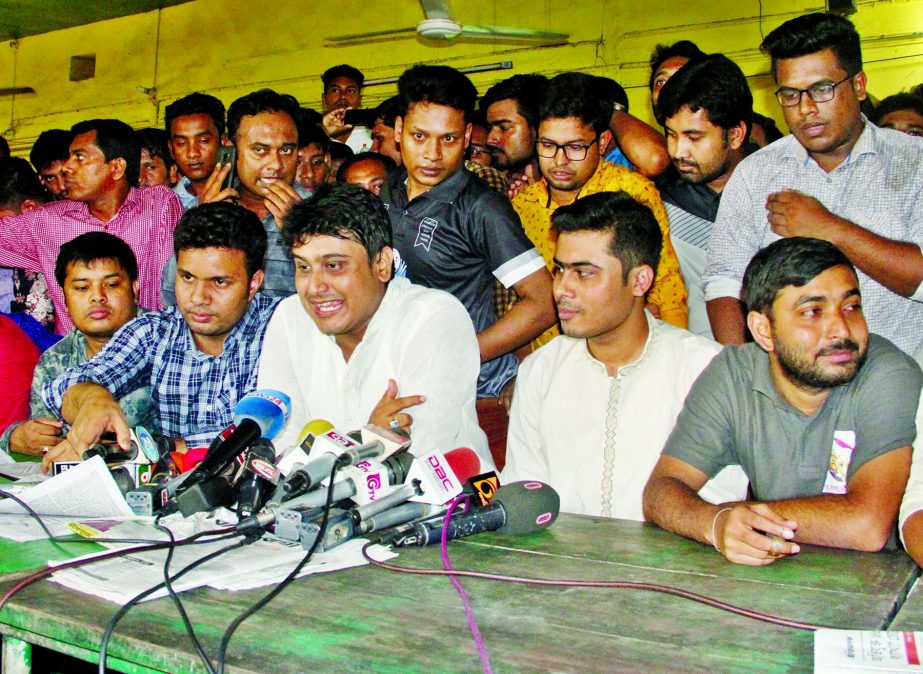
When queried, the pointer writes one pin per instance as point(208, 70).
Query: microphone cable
point(284, 583)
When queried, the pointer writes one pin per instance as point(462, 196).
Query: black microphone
point(517, 508)
point(254, 488)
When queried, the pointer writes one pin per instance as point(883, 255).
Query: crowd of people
point(709, 326)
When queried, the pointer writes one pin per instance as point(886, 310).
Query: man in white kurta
point(593, 408)
point(352, 333)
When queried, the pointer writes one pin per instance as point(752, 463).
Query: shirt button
point(208, 408)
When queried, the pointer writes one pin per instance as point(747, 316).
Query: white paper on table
point(850, 651)
point(86, 490)
point(24, 527)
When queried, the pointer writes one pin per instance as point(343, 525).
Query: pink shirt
point(145, 221)
point(18, 356)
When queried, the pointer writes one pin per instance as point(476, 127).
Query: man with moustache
point(836, 178)
point(195, 128)
point(342, 92)
point(593, 407)
point(818, 412)
point(262, 127)
point(707, 109)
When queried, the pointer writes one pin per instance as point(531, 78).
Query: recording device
point(360, 117)
point(517, 508)
point(298, 453)
point(255, 484)
point(227, 154)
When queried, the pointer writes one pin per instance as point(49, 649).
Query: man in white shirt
point(593, 408)
point(354, 336)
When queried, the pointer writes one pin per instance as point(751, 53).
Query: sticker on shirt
point(425, 233)
point(400, 266)
point(844, 443)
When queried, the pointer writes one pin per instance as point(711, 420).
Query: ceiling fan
point(440, 24)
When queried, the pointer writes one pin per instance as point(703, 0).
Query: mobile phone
point(360, 117)
point(227, 154)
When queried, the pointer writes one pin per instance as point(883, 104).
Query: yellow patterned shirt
point(535, 206)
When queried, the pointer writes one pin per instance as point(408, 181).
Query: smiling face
point(213, 292)
point(433, 140)
point(100, 297)
point(267, 151)
point(827, 130)
point(339, 287)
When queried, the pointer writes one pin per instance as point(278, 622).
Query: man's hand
point(334, 123)
point(212, 191)
point(517, 181)
point(94, 411)
point(753, 534)
point(792, 213)
point(280, 197)
point(35, 436)
point(63, 452)
point(389, 408)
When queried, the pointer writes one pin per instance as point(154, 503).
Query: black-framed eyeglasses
point(573, 151)
point(822, 92)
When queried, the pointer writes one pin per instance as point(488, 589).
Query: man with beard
point(818, 412)
point(707, 109)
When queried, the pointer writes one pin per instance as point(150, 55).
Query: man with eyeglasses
point(571, 123)
point(836, 178)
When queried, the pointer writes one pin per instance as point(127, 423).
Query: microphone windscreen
point(267, 407)
point(465, 463)
point(529, 506)
point(311, 430)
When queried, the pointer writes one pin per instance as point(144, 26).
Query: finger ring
point(45, 449)
point(394, 423)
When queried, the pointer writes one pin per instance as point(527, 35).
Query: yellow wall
point(230, 47)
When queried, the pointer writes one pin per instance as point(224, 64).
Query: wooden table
point(910, 615)
point(371, 620)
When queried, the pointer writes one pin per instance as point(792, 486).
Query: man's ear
point(398, 126)
point(384, 264)
point(255, 282)
point(117, 168)
point(761, 328)
point(736, 135)
point(858, 84)
point(606, 141)
point(641, 278)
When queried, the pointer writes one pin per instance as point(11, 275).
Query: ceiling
point(20, 18)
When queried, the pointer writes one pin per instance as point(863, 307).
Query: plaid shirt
point(194, 393)
point(145, 221)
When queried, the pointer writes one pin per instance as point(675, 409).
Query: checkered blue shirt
point(194, 393)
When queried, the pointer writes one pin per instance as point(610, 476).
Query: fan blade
point(362, 37)
point(437, 9)
point(11, 91)
point(513, 34)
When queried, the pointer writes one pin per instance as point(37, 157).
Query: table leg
point(17, 656)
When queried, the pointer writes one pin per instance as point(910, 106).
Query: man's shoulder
point(689, 345)
point(406, 300)
point(883, 358)
point(614, 177)
point(559, 354)
point(60, 355)
point(531, 196)
point(897, 148)
point(770, 156)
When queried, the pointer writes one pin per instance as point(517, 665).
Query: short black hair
point(712, 83)
point(339, 151)
point(662, 52)
point(258, 102)
point(439, 85)
point(770, 130)
point(155, 142)
point(18, 182)
point(793, 261)
point(811, 33)
point(223, 225)
point(388, 110)
point(636, 236)
point(310, 133)
point(342, 70)
point(4, 147)
point(50, 146)
point(576, 95)
point(384, 160)
point(527, 90)
point(612, 91)
point(116, 140)
point(195, 104)
point(93, 246)
point(340, 210)
point(902, 101)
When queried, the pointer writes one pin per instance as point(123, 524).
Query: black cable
point(110, 627)
point(203, 656)
point(284, 583)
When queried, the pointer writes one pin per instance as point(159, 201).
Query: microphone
point(330, 449)
point(517, 508)
point(299, 452)
point(428, 481)
point(255, 485)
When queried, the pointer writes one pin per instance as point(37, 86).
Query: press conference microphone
point(254, 487)
point(427, 482)
point(330, 449)
point(311, 431)
point(517, 508)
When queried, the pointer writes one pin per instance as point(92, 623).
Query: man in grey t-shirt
point(819, 414)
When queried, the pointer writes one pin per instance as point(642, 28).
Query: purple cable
point(466, 602)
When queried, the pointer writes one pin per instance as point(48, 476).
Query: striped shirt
point(145, 221)
point(193, 392)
